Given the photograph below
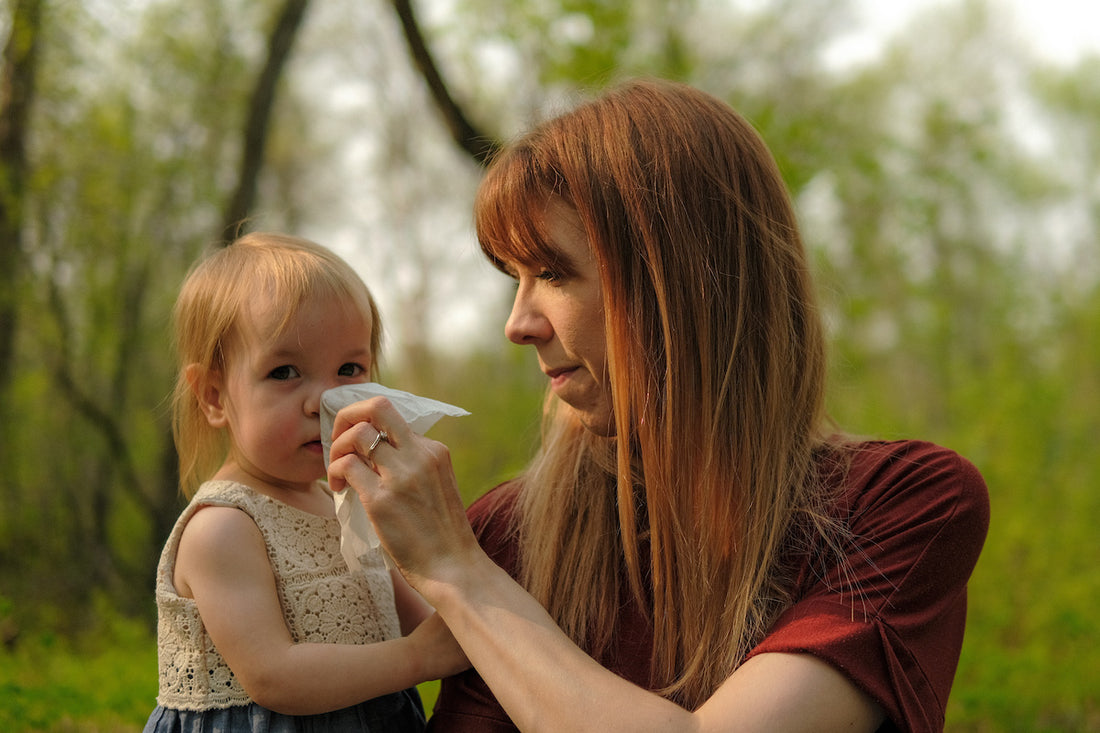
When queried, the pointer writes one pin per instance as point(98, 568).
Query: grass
point(101, 684)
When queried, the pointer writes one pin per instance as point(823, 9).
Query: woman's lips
point(560, 376)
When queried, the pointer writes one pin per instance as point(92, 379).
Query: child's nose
point(312, 406)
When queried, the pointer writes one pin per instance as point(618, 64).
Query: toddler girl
point(260, 620)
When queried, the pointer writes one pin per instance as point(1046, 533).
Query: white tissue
point(357, 535)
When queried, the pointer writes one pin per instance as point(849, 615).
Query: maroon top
point(918, 518)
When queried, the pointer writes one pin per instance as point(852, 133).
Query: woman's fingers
point(404, 481)
point(379, 413)
point(349, 471)
point(358, 430)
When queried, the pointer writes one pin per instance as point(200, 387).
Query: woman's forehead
point(534, 235)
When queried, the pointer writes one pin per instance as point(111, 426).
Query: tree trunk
point(16, 96)
point(473, 141)
point(259, 116)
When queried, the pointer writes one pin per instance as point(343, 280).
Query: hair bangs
point(298, 280)
point(510, 209)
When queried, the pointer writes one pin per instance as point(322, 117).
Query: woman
point(695, 546)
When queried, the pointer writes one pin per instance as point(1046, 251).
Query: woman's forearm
point(546, 683)
point(541, 678)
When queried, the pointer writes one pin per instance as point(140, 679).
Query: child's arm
point(223, 564)
point(411, 606)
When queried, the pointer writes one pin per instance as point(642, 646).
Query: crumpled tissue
point(357, 535)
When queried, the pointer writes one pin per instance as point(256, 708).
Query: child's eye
point(283, 372)
point(351, 369)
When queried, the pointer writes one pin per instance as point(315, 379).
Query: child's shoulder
point(221, 513)
point(221, 516)
point(218, 541)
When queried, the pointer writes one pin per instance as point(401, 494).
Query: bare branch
point(105, 422)
point(259, 114)
point(473, 141)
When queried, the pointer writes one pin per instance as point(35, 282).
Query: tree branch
point(104, 421)
point(259, 115)
point(473, 141)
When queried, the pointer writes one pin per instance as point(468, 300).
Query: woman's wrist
point(457, 583)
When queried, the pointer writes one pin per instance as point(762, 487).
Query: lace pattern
point(322, 601)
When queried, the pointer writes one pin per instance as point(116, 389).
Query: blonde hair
point(214, 298)
point(717, 366)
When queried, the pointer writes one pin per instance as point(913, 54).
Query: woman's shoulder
point(881, 470)
point(913, 488)
point(872, 451)
point(885, 601)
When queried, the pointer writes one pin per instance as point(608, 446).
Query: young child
point(260, 620)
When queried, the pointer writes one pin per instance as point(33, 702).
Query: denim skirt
point(400, 712)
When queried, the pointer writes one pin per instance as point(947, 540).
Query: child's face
point(272, 387)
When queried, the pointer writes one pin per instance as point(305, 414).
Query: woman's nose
point(526, 324)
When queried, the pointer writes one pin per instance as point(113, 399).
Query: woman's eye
point(352, 369)
point(283, 372)
point(549, 276)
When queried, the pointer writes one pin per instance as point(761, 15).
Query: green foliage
point(1032, 634)
point(1030, 638)
point(566, 42)
point(102, 681)
point(958, 267)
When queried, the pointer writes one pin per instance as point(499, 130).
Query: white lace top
point(322, 601)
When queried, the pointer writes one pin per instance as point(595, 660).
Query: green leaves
point(947, 190)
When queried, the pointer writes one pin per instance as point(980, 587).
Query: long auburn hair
point(716, 363)
point(213, 299)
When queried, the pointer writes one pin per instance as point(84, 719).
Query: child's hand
point(437, 649)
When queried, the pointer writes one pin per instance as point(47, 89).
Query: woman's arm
point(542, 679)
point(222, 563)
point(546, 683)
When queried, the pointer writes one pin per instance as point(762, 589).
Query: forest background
point(948, 185)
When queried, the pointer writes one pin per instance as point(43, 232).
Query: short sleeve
point(890, 614)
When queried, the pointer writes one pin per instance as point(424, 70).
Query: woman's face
point(559, 311)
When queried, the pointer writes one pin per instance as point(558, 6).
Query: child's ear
point(208, 388)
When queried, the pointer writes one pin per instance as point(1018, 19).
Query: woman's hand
point(408, 488)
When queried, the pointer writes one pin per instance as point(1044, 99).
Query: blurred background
point(944, 158)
